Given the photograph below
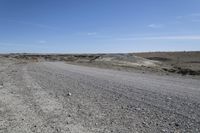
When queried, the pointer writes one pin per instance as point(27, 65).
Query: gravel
point(52, 97)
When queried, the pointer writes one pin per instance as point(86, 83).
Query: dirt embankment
point(185, 63)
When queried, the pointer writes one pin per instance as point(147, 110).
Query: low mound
point(126, 60)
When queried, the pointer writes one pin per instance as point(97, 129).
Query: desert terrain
point(100, 93)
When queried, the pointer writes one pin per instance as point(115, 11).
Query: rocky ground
point(49, 97)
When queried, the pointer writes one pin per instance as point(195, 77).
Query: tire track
point(18, 116)
point(52, 108)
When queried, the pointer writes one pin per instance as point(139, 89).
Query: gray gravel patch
point(58, 97)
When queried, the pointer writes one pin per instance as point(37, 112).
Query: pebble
point(164, 130)
point(145, 124)
point(176, 124)
point(69, 94)
point(169, 98)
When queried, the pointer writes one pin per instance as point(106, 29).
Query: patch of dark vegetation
point(182, 71)
point(169, 70)
point(193, 62)
point(94, 58)
point(187, 71)
point(158, 58)
point(56, 57)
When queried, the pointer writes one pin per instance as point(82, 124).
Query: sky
point(99, 26)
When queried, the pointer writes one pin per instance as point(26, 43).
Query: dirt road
point(54, 97)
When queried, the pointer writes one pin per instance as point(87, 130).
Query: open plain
point(67, 94)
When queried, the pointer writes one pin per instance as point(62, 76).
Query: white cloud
point(179, 17)
point(189, 17)
point(155, 25)
point(87, 33)
point(91, 33)
point(195, 14)
point(195, 37)
point(42, 41)
point(196, 20)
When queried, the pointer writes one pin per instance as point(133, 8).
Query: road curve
point(51, 97)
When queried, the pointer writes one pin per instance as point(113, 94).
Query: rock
point(176, 124)
point(145, 124)
point(169, 98)
point(69, 94)
point(164, 130)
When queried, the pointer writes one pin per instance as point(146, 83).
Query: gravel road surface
point(54, 97)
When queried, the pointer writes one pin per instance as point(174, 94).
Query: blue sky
point(98, 26)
